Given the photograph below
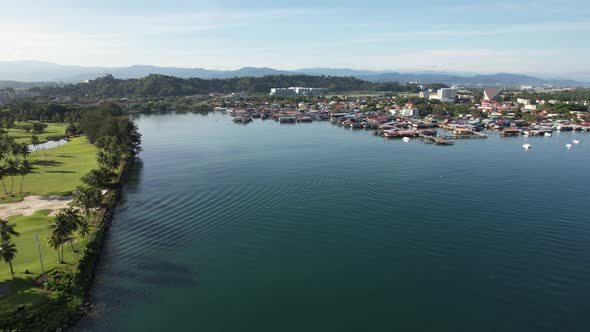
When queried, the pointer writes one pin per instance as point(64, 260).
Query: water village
point(392, 120)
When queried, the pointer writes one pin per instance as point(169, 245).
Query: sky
point(518, 36)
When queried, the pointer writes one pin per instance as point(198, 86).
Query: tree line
point(167, 86)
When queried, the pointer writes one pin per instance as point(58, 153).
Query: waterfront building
point(410, 112)
point(297, 91)
point(447, 95)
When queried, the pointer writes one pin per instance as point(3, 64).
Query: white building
point(425, 94)
point(523, 101)
point(297, 91)
point(447, 95)
point(410, 112)
point(282, 92)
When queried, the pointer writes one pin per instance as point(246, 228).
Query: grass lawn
point(22, 290)
point(21, 136)
point(56, 171)
point(27, 257)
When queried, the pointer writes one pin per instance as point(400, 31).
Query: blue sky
point(542, 37)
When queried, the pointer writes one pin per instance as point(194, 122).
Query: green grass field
point(55, 171)
point(21, 136)
point(27, 257)
point(22, 290)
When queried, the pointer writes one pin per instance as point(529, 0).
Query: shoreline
point(69, 289)
point(106, 220)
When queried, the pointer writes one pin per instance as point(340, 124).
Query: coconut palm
point(11, 170)
point(73, 221)
point(55, 243)
point(84, 229)
point(23, 169)
point(86, 198)
point(3, 174)
point(61, 230)
point(7, 230)
point(8, 253)
point(98, 178)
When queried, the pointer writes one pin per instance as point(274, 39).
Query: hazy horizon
point(540, 37)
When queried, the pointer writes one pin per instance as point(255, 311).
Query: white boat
point(548, 134)
point(406, 139)
point(568, 146)
point(576, 141)
point(527, 146)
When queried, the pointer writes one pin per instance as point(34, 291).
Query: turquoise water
point(311, 227)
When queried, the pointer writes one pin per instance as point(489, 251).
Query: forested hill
point(166, 86)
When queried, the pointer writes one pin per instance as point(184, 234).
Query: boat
point(406, 139)
point(287, 119)
point(576, 141)
point(391, 134)
point(568, 146)
point(548, 134)
point(527, 146)
point(510, 132)
point(408, 133)
point(242, 119)
point(443, 141)
point(427, 132)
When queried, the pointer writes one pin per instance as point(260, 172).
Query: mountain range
point(38, 71)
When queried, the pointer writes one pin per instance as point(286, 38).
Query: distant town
point(415, 117)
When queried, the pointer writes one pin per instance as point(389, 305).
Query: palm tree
point(55, 243)
point(102, 157)
point(61, 230)
point(3, 174)
point(23, 169)
point(15, 150)
point(24, 151)
point(73, 221)
point(11, 169)
point(8, 253)
point(86, 198)
point(7, 230)
point(35, 141)
point(84, 230)
point(98, 178)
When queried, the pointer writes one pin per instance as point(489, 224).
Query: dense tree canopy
point(164, 86)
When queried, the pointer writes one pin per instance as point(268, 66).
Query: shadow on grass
point(47, 163)
point(61, 172)
point(20, 292)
